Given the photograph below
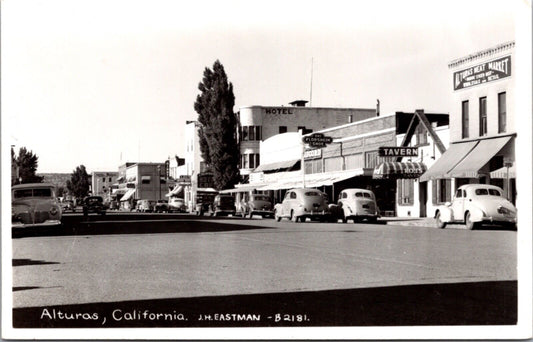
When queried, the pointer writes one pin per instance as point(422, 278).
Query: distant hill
point(58, 179)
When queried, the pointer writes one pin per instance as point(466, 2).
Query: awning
point(279, 166)
point(146, 178)
point(118, 191)
point(502, 172)
point(177, 189)
point(481, 154)
point(131, 179)
point(243, 188)
point(120, 179)
point(315, 180)
point(127, 195)
point(450, 158)
point(399, 170)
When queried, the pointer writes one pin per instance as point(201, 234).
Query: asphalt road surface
point(307, 273)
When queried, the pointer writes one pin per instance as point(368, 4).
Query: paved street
point(120, 258)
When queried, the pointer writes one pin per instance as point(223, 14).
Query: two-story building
point(482, 123)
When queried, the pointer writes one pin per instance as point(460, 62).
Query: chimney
point(377, 107)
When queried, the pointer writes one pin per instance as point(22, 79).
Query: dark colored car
point(161, 206)
point(257, 204)
point(94, 204)
point(224, 205)
point(68, 205)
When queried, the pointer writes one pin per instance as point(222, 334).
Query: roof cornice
point(481, 54)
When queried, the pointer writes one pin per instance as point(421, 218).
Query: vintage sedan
point(475, 204)
point(302, 203)
point(94, 204)
point(358, 205)
point(34, 204)
point(161, 206)
point(224, 205)
point(257, 204)
point(176, 204)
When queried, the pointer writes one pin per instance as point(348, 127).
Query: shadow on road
point(132, 224)
point(475, 303)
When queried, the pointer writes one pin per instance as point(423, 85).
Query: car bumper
point(263, 212)
point(499, 219)
point(317, 213)
point(221, 211)
point(46, 223)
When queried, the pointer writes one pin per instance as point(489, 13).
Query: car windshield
point(94, 200)
point(24, 193)
point(312, 193)
point(363, 194)
point(260, 198)
point(486, 192)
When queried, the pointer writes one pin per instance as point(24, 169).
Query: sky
point(100, 83)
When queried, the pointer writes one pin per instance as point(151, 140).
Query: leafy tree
point(78, 185)
point(27, 163)
point(218, 132)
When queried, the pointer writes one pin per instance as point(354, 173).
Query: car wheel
point(251, 215)
point(469, 224)
point(343, 216)
point(293, 217)
point(438, 221)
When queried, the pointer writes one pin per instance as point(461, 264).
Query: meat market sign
point(482, 73)
point(398, 151)
point(317, 140)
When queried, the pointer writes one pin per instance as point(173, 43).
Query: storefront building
point(482, 127)
point(258, 123)
point(103, 183)
point(352, 158)
point(142, 181)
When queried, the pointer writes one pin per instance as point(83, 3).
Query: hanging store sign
point(482, 73)
point(398, 151)
point(313, 154)
point(317, 140)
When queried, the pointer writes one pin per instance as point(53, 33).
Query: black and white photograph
point(266, 169)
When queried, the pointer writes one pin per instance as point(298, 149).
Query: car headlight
point(53, 211)
point(503, 210)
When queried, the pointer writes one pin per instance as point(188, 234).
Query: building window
point(251, 133)
point(406, 189)
point(421, 135)
point(103, 179)
point(282, 129)
point(465, 119)
point(442, 191)
point(482, 116)
point(502, 113)
point(110, 180)
point(371, 159)
point(257, 160)
point(258, 133)
point(244, 133)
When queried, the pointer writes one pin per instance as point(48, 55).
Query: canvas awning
point(279, 166)
point(127, 195)
point(477, 158)
point(502, 172)
point(399, 170)
point(176, 191)
point(243, 188)
point(119, 191)
point(315, 180)
point(450, 158)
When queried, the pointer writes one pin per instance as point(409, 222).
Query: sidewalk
point(409, 221)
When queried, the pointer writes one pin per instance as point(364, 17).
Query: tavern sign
point(398, 151)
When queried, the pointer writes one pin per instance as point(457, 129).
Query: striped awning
point(399, 170)
point(502, 172)
point(128, 195)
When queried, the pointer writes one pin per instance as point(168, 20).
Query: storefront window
point(442, 191)
point(371, 159)
point(406, 191)
point(244, 136)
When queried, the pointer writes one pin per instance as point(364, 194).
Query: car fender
point(476, 213)
point(279, 209)
point(446, 214)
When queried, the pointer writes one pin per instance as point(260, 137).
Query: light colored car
point(302, 203)
point(68, 205)
point(145, 206)
point(176, 204)
point(34, 204)
point(257, 204)
point(475, 204)
point(357, 205)
point(161, 206)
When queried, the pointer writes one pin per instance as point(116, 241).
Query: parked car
point(357, 205)
point(161, 206)
point(257, 204)
point(176, 204)
point(224, 205)
point(145, 206)
point(302, 203)
point(34, 204)
point(475, 204)
point(68, 205)
point(94, 204)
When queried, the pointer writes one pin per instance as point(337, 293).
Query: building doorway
point(422, 197)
